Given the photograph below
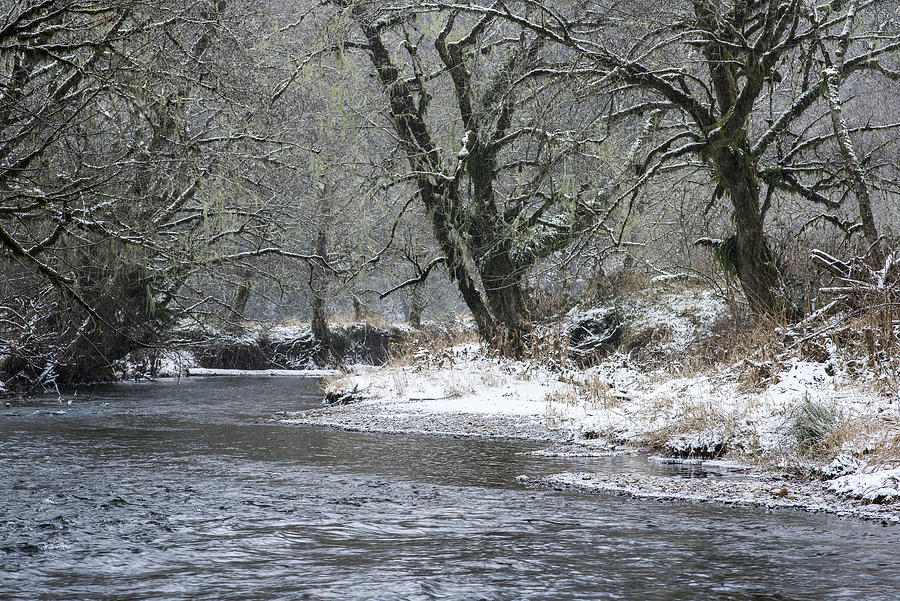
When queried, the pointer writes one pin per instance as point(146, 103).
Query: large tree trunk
point(444, 229)
point(503, 289)
point(501, 277)
point(754, 262)
point(466, 240)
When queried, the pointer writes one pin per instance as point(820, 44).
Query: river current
point(190, 490)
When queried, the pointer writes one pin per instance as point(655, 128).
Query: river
point(189, 490)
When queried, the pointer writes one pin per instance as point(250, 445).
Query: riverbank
point(286, 349)
point(519, 409)
point(259, 348)
point(795, 431)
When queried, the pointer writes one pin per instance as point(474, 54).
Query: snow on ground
point(870, 484)
point(459, 391)
point(618, 403)
point(702, 415)
point(284, 332)
point(682, 315)
point(173, 364)
point(765, 490)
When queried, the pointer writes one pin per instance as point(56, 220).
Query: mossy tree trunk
point(754, 263)
point(317, 285)
point(737, 81)
point(473, 241)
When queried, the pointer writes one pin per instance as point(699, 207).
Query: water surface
point(188, 490)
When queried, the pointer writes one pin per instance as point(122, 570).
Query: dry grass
point(431, 344)
point(870, 341)
point(752, 352)
point(630, 281)
point(644, 346)
point(872, 439)
point(549, 347)
point(461, 386)
point(590, 392)
point(400, 380)
point(703, 421)
point(886, 447)
point(343, 380)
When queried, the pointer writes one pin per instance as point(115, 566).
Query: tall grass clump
point(814, 424)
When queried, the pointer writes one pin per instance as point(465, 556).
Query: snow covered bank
point(459, 392)
point(279, 349)
point(784, 415)
point(766, 490)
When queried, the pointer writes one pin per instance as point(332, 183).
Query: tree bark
point(416, 306)
point(755, 264)
point(832, 79)
point(239, 302)
point(318, 274)
point(440, 198)
point(317, 285)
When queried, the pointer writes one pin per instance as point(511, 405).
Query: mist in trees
point(168, 166)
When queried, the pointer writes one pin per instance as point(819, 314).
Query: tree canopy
point(163, 164)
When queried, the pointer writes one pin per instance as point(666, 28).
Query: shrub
point(813, 425)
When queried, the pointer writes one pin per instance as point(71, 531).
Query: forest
point(169, 172)
point(450, 299)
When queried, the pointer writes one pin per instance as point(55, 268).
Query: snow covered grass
point(768, 398)
point(871, 484)
point(460, 379)
point(799, 415)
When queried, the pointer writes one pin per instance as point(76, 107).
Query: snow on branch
point(857, 280)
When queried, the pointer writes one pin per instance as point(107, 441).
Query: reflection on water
point(188, 491)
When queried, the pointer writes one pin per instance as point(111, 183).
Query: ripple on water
point(186, 491)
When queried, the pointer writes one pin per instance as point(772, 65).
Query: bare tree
point(741, 97)
point(515, 189)
point(123, 181)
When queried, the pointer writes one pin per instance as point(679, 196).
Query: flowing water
point(188, 490)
